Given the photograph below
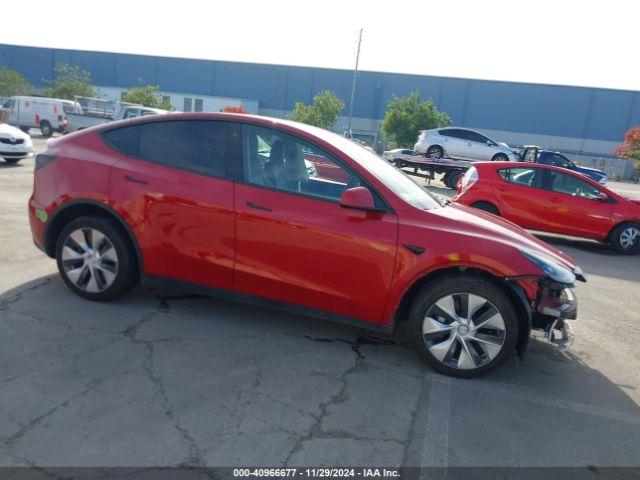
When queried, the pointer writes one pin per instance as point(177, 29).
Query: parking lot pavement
point(159, 378)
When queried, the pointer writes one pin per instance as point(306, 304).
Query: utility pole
point(353, 85)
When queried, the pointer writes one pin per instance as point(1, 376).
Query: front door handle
point(129, 178)
point(258, 207)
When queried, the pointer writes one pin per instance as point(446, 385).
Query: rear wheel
point(435, 151)
point(12, 161)
point(500, 157)
point(46, 129)
point(625, 238)
point(487, 207)
point(463, 326)
point(94, 258)
point(25, 129)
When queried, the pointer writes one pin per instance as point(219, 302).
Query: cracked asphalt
point(160, 378)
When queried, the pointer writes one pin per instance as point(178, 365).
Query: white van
point(47, 114)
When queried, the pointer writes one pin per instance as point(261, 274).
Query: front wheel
point(625, 238)
point(500, 157)
point(12, 161)
point(94, 258)
point(463, 326)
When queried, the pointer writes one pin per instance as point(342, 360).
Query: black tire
point(458, 285)
point(25, 129)
point(617, 238)
point(486, 207)
point(445, 180)
point(125, 275)
point(454, 177)
point(12, 161)
point(434, 151)
point(46, 129)
point(500, 157)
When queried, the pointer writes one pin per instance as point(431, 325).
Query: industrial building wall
point(587, 120)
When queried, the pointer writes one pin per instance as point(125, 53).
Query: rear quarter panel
point(80, 171)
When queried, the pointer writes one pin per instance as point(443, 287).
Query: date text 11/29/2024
point(317, 472)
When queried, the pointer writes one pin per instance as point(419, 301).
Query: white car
point(14, 144)
point(464, 144)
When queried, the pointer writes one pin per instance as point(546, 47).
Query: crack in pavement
point(17, 296)
point(195, 453)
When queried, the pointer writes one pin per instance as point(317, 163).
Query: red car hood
point(479, 223)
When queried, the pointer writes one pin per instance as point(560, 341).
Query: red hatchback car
point(227, 205)
point(552, 199)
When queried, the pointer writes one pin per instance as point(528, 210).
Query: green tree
point(13, 83)
point(69, 81)
point(322, 113)
point(148, 96)
point(406, 116)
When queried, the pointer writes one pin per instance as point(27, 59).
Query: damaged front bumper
point(555, 306)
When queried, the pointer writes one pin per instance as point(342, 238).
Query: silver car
point(462, 143)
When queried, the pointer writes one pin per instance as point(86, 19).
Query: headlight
point(549, 267)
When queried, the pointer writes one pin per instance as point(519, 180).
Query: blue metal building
point(589, 121)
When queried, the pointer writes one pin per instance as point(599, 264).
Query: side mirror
point(603, 197)
point(359, 198)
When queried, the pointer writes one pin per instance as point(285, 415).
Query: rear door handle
point(556, 199)
point(129, 178)
point(504, 189)
point(258, 207)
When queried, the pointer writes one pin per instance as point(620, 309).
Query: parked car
point(553, 199)
point(14, 144)
point(187, 200)
point(81, 119)
point(547, 157)
point(462, 143)
point(47, 114)
point(392, 156)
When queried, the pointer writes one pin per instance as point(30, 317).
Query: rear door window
point(199, 146)
point(524, 177)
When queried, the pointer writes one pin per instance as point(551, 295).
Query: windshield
point(397, 181)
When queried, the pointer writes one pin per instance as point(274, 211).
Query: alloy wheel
point(434, 152)
point(464, 331)
point(629, 237)
point(89, 260)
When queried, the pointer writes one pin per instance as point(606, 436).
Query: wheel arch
point(488, 202)
point(616, 225)
point(83, 207)
point(514, 292)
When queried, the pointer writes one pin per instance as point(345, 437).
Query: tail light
point(65, 122)
point(37, 119)
point(423, 134)
point(469, 178)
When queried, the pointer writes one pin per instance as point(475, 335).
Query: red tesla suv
point(228, 205)
point(553, 199)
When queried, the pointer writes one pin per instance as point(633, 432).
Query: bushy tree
point(13, 83)
point(69, 81)
point(148, 96)
point(630, 149)
point(322, 113)
point(406, 116)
